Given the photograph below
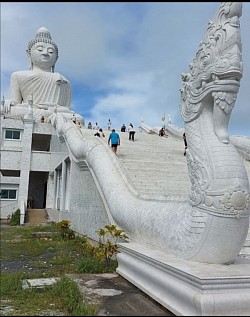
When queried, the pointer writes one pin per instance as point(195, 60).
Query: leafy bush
point(65, 231)
point(104, 252)
point(108, 239)
point(14, 218)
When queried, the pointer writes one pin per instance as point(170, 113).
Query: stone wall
point(87, 210)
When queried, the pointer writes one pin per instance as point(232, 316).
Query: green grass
point(92, 265)
point(64, 296)
point(72, 299)
point(39, 257)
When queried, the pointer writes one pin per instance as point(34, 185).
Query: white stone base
point(187, 288)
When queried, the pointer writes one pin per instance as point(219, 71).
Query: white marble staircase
point(157, 168)
point(155, 165)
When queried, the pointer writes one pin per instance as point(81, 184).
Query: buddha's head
point(42, 44)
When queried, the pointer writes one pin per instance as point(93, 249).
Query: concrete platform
point(187, 288)
point(115, 296)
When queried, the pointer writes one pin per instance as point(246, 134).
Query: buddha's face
point(43, 55)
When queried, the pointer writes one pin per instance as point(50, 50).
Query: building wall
point(58, 150)
point(11, 154)
point(11, 159)
point(7, 207)
point(42, 128)
point(50, 192)
point(40, 161)
point(83, 203)
point(87, 211)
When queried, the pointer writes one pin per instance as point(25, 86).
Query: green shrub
point(103, 253)
point(108, 239)
point(14, 219)
point(65, 231)
point(88, 248)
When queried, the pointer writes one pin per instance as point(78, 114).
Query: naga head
point(217, 66)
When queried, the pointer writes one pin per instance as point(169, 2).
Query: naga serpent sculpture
point(212, 225)
point(219, 182)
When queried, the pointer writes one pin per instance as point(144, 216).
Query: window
point(10, 173)
point(8, 194)
point(13, 134)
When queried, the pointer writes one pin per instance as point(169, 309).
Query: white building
point(38, 173)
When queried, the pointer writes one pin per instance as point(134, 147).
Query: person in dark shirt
point(185, 142)
point(123, 128)
point(162, 132)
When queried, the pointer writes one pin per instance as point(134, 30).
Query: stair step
point(155, 166)
point(36, 216)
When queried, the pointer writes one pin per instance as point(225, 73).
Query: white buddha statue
point(51, 92)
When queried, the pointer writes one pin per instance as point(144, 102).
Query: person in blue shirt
point(114, 138)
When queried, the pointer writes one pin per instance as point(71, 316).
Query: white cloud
point(123, 59)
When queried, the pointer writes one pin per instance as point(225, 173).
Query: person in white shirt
point(100, 133)
point(131, 132)
point(96, 127)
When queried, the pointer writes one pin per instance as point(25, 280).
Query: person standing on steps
point(96, 126)
point(131, 132)
point(123, 128)
point(114, 138)
point(185, 142)
point(89, 125)
point(109, 125)
point(73, 118)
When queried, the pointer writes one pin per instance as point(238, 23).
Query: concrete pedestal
point(187, 288)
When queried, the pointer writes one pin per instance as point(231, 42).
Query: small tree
point(108, 239)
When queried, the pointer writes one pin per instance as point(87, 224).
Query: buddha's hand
point(53, 107)
point(63, 109)
point(46, 105)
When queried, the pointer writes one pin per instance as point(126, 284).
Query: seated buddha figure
point(50, 91)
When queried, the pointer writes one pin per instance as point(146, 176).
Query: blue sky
point(124, 59)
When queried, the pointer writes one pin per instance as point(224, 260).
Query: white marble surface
point(187, 288)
